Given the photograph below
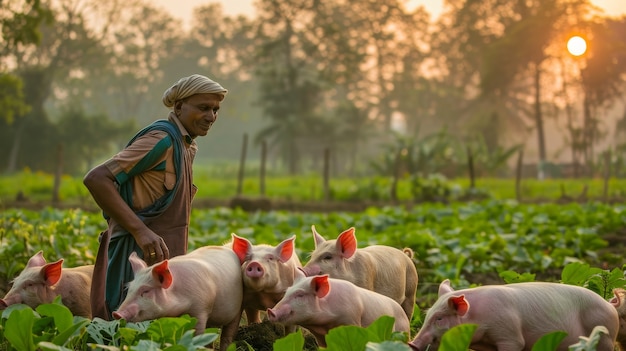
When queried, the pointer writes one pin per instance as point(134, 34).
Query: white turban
point(187, 86)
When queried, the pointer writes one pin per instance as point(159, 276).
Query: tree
point(66, 46)
point(19, 21)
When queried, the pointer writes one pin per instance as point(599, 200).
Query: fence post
point(326, 174)
point(57, 175)
point(607, 175)
point(470, 165)
point(242, 164)
point(518, 175)
point(262, 169)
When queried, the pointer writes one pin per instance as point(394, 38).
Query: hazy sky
point(182, 8)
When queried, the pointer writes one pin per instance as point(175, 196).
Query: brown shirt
point(150, 185)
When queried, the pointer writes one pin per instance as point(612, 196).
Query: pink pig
point(514, 316)
point(267, 273)
point(384, 269)
point(40, 282)
point(319, 303)
point(205, 283)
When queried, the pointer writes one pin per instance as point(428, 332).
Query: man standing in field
point(145, 190)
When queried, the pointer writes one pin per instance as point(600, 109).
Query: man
point(145, 191)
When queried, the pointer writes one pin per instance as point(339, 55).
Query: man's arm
point(101, 184)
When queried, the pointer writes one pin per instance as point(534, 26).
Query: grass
point(37, 187)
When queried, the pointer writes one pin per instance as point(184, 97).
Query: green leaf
point(577, 273)
point(18, 329)
point(514, 277)
point(381, 329)
point(458, 338)
point(549, 341)
point(63, 318)
point(204, 339)
point(291, 342)
point(65, 335)
point(48, 346)
point(347, 338)
point(387, 346)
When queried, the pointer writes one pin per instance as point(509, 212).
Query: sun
point(576, 45)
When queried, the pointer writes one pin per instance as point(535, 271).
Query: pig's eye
point(144, 293)
point(327, 257)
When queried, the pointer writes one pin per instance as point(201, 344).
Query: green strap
point(175, 139)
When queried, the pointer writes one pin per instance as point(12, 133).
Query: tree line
point(308, 75)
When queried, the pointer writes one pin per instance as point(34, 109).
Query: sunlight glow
point(576, 46)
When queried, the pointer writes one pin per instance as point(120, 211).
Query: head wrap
point(187, 86)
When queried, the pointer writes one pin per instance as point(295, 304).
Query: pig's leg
point(605, 343)
point(407, 306)
point(228, 333)
point(253, 315)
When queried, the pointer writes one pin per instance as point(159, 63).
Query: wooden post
point(393, 192)
point(470, 166)
point(607, 175)
point(57, 175)
point(518, 175)
point(242, 164)
point(326, 174)
point(262, 169)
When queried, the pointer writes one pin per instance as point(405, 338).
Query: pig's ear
point(346, 243)
point(284, 250)
point(319, 240)
point(161, 272)
point(617, 299)
point(37, 260)
point(298, 274)
point(241, 247)
point(136, 263)
point(445, 287)
point(459, 304)
point(320, 285)
point(51, 272)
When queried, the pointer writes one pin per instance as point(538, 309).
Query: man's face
point(198, 112)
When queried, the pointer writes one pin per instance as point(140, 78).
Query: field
point(491, 239)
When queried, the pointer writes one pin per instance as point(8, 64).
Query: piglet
point(41, 282)
point(320, 303)
point(514, 316)
point(204, 283)
point(267, 273)
point(384, 269)
point(619, 302)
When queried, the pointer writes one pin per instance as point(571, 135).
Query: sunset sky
point(182, 8)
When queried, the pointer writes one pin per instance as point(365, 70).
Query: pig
point(619, 302)
point(204, 283)
point(383, 269)
point(514, 316)
point(267, 273)
point(320, 303)
point(41, 282)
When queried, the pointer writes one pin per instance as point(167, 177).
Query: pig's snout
point(254, 270)
point(271, 315)
point(417, 345)
point(127, 314)
point(311, 270)
point(3, 304)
